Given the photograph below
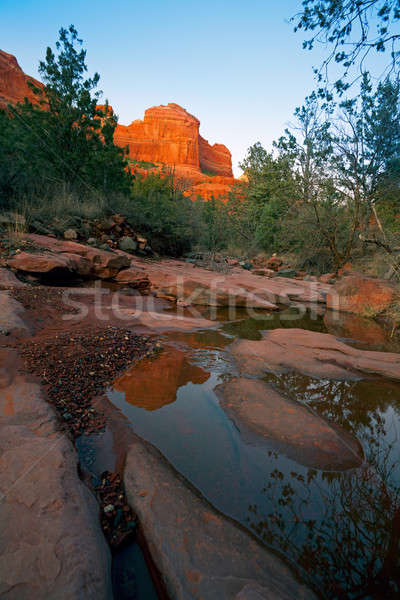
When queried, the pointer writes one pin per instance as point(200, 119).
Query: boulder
point(70, 255)
point(262, 414)
point(105, 264)
point(127, 243)
point(274, 263)
point(51, 543)
point(264, 272)
point(200, 552)
point(362, 295)
point(328, 278)
point(47, 262)
point(141, 242)
point(314, 354)
point(8, 280)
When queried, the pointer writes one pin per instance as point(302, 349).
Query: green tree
point(258, 207)
point(63, 138)
point(340, 157)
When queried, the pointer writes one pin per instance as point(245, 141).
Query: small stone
point(109, 508)
point(70, 234)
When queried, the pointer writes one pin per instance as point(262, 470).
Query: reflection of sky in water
point(253, 482)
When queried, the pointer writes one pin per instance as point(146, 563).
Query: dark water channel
point(340, 528)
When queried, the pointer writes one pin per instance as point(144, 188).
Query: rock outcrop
point(169, 136)
point(51, 543)
point(8, 280)
point(13, 81)
point(10, 314)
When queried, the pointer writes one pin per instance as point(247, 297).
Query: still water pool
point(340, 528)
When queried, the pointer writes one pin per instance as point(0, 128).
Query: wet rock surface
point(312, 353)
point(261, 413)
point(51, 544)
point(200, 552)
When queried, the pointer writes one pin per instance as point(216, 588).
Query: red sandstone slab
point(262, 414)
point(314, 354)
point(201, 553)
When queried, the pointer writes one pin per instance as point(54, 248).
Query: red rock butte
point(13, 81)
point(168, 136)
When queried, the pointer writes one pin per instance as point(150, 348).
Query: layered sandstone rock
point(169, 136)
point(13, 81)
point(51, 543)
point(215, 159)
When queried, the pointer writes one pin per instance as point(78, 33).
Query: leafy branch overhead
point(351, 29)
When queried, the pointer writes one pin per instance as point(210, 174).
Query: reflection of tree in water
point(350, 549)
point(357, 406)
point(342, 529)
point(252, 328)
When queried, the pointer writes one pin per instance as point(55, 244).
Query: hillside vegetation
point(327, 194)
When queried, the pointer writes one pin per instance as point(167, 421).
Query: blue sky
point(237, 66)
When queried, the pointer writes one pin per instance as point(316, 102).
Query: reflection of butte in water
point(153, 383)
